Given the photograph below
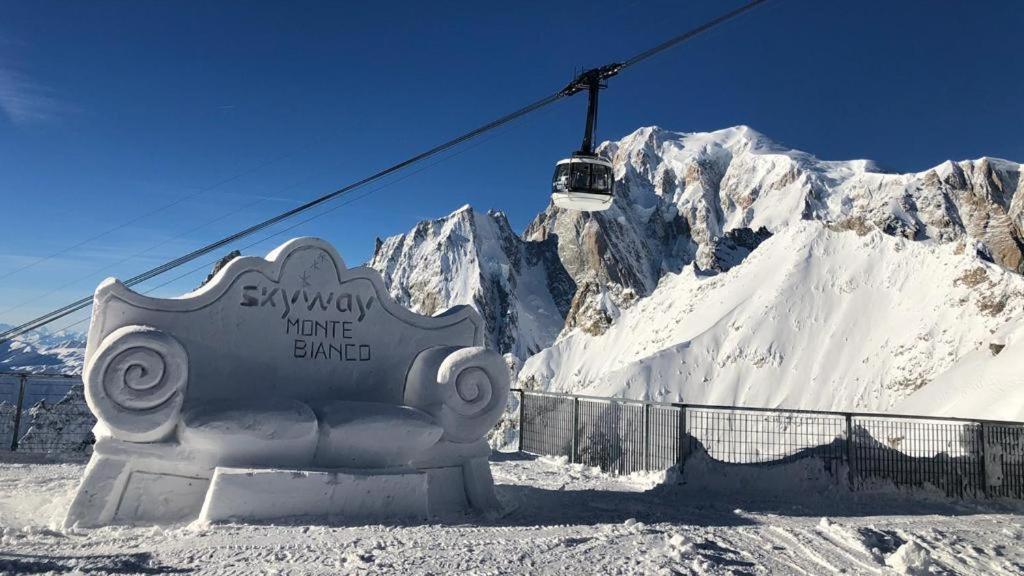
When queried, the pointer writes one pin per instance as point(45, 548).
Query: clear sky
point(175, 123)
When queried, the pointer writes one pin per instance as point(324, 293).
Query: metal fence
point(44, 413)
point(963, 458)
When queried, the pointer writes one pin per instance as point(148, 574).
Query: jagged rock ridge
point(681, 196)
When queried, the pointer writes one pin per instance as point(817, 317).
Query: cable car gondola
point(582, 183)
point(585, 181)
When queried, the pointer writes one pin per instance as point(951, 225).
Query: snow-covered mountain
point(709, 198)
point(43, 351)
point(520, 287)
point(864, 287)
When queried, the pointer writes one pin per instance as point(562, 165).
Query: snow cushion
point(372, 435)
point(276, 432)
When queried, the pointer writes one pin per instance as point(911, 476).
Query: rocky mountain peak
point(519, 287)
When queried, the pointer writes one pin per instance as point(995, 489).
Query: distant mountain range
point(43, 351)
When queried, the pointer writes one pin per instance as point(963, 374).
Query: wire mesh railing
point(611, 435)
point(1004, 459)
point(948, 455)
point(961, 457)
point(44, 413)
point(556, 436)
point(748, 437)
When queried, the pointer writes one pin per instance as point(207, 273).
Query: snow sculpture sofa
point(285, 386)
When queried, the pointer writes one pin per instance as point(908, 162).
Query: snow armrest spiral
point(135, 383)
point(464, 389)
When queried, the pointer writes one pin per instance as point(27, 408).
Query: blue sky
point(175, 123)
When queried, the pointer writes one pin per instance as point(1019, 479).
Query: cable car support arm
point(592, 81)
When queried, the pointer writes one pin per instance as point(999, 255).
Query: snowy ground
point(560, 519)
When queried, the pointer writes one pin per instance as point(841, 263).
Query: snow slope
point(814, 318)
point(559, 519)
point(987, 382)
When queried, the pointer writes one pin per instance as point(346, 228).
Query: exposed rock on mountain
point(891, 274)
point(520, 288)
point(706, 200)
point(698, 198)
point(730, 249)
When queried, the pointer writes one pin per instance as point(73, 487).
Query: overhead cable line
point(675, 41)
point(349, 200)
point(177, 201)
point(234, 211)
point(321, 214)
point(578, 84)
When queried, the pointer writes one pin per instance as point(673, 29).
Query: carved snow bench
point(285, 386)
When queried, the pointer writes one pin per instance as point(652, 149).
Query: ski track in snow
point(559, 519)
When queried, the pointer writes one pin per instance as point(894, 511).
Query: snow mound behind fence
point(961, 458)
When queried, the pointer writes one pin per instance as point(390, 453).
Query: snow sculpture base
point(290, 386)
point(246, 494)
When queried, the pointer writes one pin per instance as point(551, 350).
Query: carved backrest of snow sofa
point(299, 330)
point(297, 324)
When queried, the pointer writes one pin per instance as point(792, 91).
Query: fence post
point(849, 451)
point(647, 436)
point(984, 460)
point(575, 446)
point(683, 448)
point(522, 416)
point(17, 411)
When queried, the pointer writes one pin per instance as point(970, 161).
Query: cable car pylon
point(584, 181)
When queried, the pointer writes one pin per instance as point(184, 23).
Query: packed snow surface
point(559, 519)
point(988, 381)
